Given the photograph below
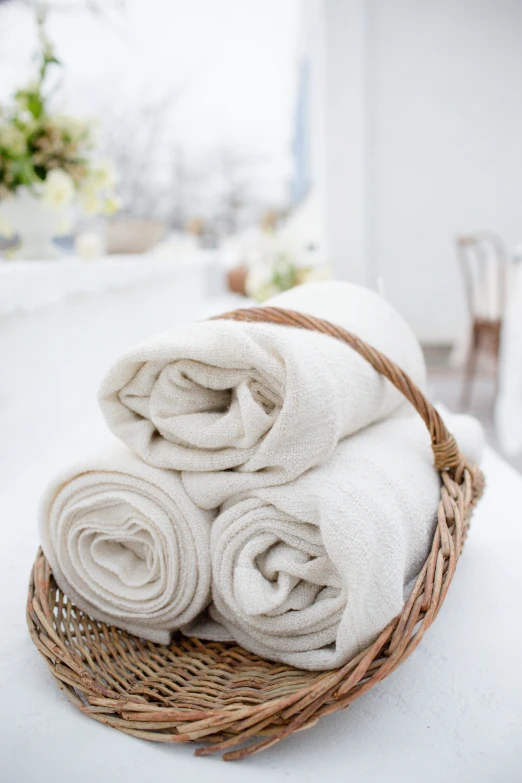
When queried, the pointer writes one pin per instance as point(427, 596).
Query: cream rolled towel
point(266, 400)
point(126, 544)
point(310, 572)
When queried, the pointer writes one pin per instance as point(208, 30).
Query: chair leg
point(496, 348)
point(469, 371)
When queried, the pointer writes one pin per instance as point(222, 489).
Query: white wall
point(445, 145)
point(345, 137)
point(421, 139)
point(333, 215)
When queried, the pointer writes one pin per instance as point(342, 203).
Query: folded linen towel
point(269, 401)
point(126, 544)
point(310, 572)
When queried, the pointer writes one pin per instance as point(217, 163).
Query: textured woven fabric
point(126, 544)
point(265, 400)
point(310, 572)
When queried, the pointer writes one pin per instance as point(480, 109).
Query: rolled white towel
point(310, 572)
point(126, 543)
point(266, 400)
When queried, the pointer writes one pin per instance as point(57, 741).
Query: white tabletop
point(452, 712)
point(28, 285)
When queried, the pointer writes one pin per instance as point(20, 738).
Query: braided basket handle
point(445, 449)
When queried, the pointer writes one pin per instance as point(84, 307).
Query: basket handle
point(445, 449)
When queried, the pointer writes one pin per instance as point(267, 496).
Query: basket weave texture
point(220, 694)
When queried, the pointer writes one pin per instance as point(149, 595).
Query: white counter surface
point(28, 285)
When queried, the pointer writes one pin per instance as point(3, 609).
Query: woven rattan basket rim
point(223, 695)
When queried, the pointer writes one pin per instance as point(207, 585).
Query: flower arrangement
point(51, 155)
point(275, 266)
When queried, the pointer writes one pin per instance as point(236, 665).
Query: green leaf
point(24, 171)
point(35, 105)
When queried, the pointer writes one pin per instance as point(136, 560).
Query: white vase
point(35, 223)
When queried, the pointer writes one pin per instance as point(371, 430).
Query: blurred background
point(161, 160)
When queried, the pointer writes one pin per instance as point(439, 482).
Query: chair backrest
point(484, 259)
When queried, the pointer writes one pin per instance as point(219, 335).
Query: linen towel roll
point(310, 572)
point(265, 400)
point(126, 544)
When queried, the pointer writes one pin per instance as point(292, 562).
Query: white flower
point(6, 229)
point(89, 201)
point(104, 176)
point(75, 128)
point(28, 121)
point(58, 189)
point(12, 140)
point(111, 205)
point(259, 283)
point(96, 194)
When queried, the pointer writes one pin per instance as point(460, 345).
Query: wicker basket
point(219, 693)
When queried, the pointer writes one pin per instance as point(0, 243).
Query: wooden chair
point(483, 259)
